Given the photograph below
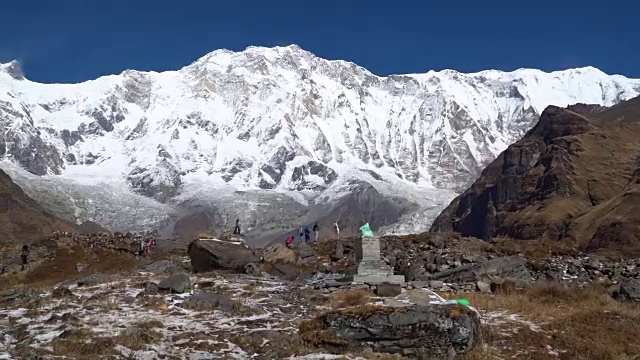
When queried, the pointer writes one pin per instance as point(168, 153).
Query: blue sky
point(72, 40)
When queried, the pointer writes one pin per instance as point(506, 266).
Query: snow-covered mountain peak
point(13, 69)
point(282, 120)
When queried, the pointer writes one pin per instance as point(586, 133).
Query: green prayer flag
point(366, 230)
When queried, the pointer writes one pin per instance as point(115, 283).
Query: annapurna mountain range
point(276, 136)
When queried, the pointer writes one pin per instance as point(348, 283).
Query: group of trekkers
point(146, 240)
point(304, 234)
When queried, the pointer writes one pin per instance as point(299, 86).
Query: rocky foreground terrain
point(218, 299)
point(543, 246)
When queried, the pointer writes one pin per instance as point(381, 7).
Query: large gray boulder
point(426, 331)
point(213, 254)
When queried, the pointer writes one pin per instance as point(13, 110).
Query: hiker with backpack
point(301, 234)
point(307, 234)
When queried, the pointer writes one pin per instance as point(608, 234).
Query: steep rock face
point(21, 218)
point(574, 176)
point(22, 141)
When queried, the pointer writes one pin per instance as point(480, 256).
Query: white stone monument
point(372, 269)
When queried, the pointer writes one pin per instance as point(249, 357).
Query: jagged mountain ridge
point(281, 119)
point(574, 178)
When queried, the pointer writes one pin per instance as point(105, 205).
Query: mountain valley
point(242, 134)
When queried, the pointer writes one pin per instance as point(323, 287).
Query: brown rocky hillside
point(574, 177)
point(21, 218)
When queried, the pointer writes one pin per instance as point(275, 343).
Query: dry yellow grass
point(349, 298)
point(558, 322)
point(82, 344)
point(137, 341)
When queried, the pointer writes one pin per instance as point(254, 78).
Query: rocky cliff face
point(573, 177)
point(22, 220)
point(280, 120)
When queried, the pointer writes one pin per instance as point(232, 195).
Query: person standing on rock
point(301, 234)
point(316, 231)
point(336, 228)
point(307, 234)
point(237, 228)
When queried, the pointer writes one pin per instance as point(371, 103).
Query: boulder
point(306, 252)
point(484, 286)
point(252, 269)
point(286, 271)
point(281, 254)
point(388, 290)
point(630, 290)
point(177, 283)
point(213, 254)
point(206, 301)
point(427, 331)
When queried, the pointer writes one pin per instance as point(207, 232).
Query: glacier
point(276, 136)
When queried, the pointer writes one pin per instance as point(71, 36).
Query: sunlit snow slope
point(282, 126)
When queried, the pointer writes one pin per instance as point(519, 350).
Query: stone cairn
point(372, 269)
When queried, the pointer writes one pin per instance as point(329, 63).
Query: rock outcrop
point(215, 254)
point(574, 177)
point(630, 290)
point(21, 218)
point(429, 331)
point(510, 267)
point(18, 258)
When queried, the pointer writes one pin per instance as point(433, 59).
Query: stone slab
point(371, 248)
point(377, 279)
